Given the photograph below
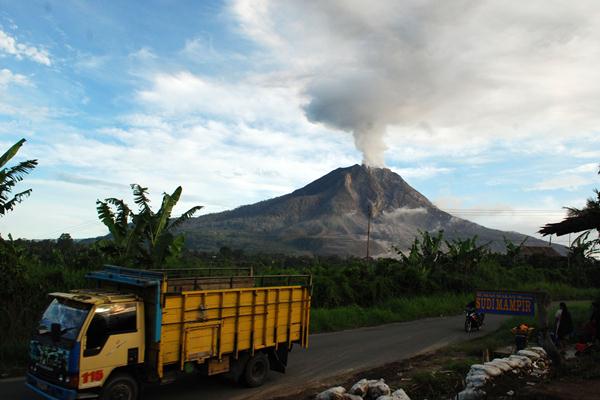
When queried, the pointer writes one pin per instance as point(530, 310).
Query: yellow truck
point(140, 327)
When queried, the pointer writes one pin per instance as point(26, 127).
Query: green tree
point(465, 254)
point(424, 254)
point(584, 220)
point(10, 176)
point(145, 238)
point(513, 251)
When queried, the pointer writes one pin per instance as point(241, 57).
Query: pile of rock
point(532, 361)
point(363, 390)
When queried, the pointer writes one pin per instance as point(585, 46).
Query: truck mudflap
point(48, 390)
point(278, 359)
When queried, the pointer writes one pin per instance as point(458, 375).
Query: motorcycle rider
point(472, 308)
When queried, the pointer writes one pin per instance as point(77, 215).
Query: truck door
point(114, 338)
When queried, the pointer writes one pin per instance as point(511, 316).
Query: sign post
point(519, 303)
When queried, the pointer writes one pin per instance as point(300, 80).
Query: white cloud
point(220, 164)
point(7, 77)
point(144, 53)
point(563, 182)
point(473, 73)
point(589, 168)
point(9, 45)
point(246, 100)
point(569, 179)
point(422, 172)
point(519, 216)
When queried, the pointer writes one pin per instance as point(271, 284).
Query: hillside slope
point(330, 216)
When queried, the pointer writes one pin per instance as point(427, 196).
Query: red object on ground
point(581, 347)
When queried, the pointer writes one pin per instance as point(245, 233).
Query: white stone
point(526, 360)
point(334, 393)
point(501, 364)
point(539, 350)
point(377, 389)
point(400, 394)
point(528, 353)
point(360, 388)
point(514, 363)
point(489, 369)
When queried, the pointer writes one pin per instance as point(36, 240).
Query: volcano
point(330, 216)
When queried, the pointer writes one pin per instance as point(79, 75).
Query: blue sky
point(488, 109)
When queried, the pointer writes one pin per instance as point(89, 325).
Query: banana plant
point(10, 176)
point(465, 254)
point(145, 237)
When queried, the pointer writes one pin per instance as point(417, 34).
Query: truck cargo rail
point(233, 282)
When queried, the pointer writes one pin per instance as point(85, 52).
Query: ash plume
point(460, 74)
point(355, 104)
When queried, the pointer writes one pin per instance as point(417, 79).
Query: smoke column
point(436, 73)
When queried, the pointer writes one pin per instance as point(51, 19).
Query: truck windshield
point(69, 314)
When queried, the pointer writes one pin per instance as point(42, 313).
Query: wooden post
point(543, 301)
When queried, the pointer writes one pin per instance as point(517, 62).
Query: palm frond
point(107, 217)
point(135, 237)
point(10, 153)
point(185, 216)
point(17, 198)
point(164, 213)
point(140, 197)
point(17, 172)
point(123, 211)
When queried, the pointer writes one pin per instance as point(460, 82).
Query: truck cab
point(82, 338)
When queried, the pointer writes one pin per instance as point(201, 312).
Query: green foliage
point(10, 176)
point(144, 239)
point(393, 310)
point(461, 366)
point(30, 270)
point(435, 384)
point(583, 247)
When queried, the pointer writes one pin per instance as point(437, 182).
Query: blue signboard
point(503, 302)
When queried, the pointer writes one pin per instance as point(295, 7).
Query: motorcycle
point(473, 320)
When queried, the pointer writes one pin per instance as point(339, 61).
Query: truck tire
point(256, 370)
point(121, 386)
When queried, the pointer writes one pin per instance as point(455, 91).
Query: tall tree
point(145, 238)
point(10, 176)
point(583, 220)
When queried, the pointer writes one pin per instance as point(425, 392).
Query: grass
point(562, 291)
point(395, 310)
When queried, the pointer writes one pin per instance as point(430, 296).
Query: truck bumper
point(48, 390)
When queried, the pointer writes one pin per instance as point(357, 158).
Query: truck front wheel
point(120, 387)
point(256, 370)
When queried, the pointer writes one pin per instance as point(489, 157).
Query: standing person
point(564, 323)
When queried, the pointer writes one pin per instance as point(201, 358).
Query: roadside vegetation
point(347, 293)
point(435, 277)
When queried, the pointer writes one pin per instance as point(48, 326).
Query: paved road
point(329, 354)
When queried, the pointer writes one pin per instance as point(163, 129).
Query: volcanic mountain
point(331, 216)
